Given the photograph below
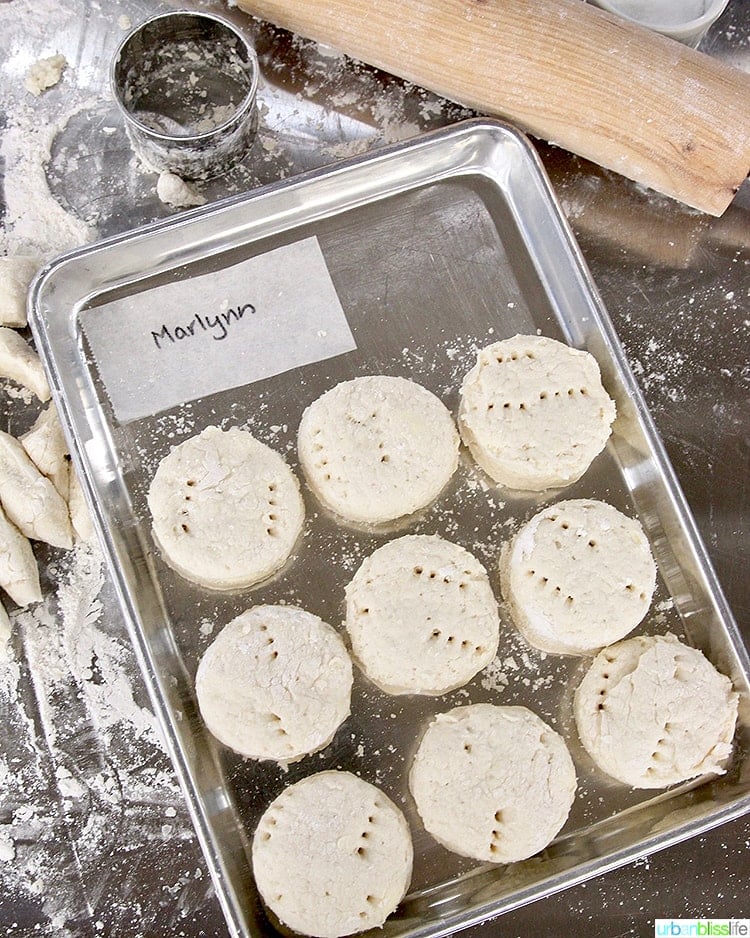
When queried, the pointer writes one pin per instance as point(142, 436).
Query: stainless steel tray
point(435, 247)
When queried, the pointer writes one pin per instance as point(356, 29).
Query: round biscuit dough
point(534, 413)
point(652, 712)
point(226, 509)
point(332, 855)
point(421, 616)
point(377, 448)
point(275, 683)
point(492, 783)
point(579, 575)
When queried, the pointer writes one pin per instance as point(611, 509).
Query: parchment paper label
point(181, 341)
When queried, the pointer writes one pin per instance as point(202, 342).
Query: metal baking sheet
point(435, 247)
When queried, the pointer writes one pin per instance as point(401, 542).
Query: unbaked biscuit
point(226, 509)
point(492, 783)
point(332, 855)
point(534, 413)
point(275, 683)
point(421, 616)
point(579, 575)
point(377, 448)
point(653, 712)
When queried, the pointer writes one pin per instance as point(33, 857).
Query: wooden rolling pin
point(629, 99)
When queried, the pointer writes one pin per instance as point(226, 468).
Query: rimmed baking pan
point(403, 261)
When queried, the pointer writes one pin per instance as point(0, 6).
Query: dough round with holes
point(492, 783)
point(275, 683)
point(332, 855)
point(578, 576)
point(421, 616)
point(377, 448)
point(653, 712)
point(534, 412)
point(226, 509)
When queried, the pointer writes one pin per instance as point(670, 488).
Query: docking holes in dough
point(578, 576)
point(492, 783)
point(534, 413)
point(332, 855)
point(275, 683)
point(421, 616)
point(226, 509)
point(377, 448)
point(653, 712)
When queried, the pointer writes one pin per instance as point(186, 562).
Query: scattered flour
point(76, 726)
point(35, 222)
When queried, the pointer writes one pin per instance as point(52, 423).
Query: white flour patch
point(35, 222)
point(79, 731)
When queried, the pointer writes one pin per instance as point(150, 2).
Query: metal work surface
point(98, 840)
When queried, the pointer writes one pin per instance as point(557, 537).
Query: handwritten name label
point(217, 325)
point(185, 340)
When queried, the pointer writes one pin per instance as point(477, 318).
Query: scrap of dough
point(653, 712)
point(80, 516)
point(534, 413)
point(377, 448)
point(4, 629)
point(421, 616)
point(19, 362)
point(226, 509)
point(19, 574)
point(492, 783)
point(332, 855)
point(579, 575)
point(30, 500)
point(173, 190)
point(45, 73)
point(275, 684)
point(16, 273)
point(46, 445)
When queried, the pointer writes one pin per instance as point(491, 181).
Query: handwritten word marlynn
point(217, 326)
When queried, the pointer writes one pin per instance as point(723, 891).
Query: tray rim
point(231, 906)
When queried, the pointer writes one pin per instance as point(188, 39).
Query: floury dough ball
point(275, 683)
point(534, 413)
point(377, 448)
point(332, 855)
point(579, 575)
point(492, 783)
point(226, 509)
point(652, 712)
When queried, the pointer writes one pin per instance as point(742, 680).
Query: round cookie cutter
point(186, 83)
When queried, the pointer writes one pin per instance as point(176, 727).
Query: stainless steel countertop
point(677, 286)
